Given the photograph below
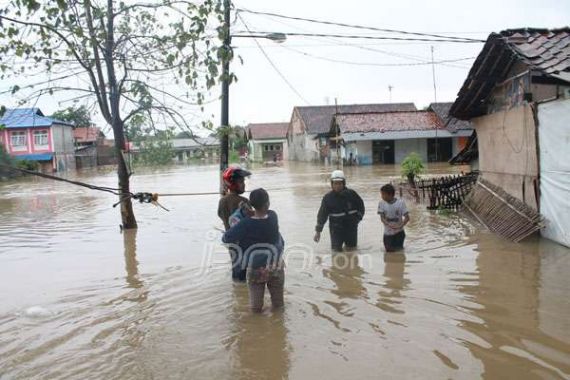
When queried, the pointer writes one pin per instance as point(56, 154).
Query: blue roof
point(27, 118)
point(34, 157)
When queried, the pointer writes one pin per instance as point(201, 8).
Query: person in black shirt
point(261, 245)
point(344, 209)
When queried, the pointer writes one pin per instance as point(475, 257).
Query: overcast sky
point(262, 95)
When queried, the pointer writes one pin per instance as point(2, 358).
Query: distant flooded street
point(79, 300)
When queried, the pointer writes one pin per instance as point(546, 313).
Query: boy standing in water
point(394, 216)
point(261, 245)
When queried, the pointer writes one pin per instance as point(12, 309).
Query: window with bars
point(18, 139)
point(41, 138)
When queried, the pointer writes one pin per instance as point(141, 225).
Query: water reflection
point(260, 348)
point(511, 345)
point(390, 297)
point(131, 263)
point(346, 273)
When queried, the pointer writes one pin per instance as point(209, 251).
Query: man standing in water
point(344, 208)
point(234, 179)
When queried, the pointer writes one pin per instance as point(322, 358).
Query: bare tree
point(115, 55)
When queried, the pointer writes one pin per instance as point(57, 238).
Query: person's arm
point(359, 205)
point(223, 213)
point(322, 217)
point(235, 233)
point(382, 213)
point(405, 216)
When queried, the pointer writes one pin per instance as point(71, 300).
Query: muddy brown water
point(79, 300)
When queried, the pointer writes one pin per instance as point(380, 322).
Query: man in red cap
point(234, 180)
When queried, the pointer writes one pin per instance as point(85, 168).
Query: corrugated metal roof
point(317, 119)
point(263, 131)
point(452, 124)
point(388, 122)
point(87, 134)
point(546, 52)
point(28, 118)
point(34, 157)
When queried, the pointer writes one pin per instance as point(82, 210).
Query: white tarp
point(554, 143)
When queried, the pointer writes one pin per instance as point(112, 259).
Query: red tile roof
point(263, 131)
point(545, 51)
point(317, 119)
point(84, 135)
point(389, 121)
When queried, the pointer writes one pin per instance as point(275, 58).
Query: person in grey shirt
point(394, 216)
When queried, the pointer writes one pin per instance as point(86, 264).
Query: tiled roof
point(84, 134)
point(263, 131)
point(546, 52)
point(389, 122)
point(27, 118)
point(452, 124)
point(318, 119)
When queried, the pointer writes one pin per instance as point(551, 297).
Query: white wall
point(554, 140)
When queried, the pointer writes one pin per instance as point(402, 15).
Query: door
point(383, 152)
point(440, 149)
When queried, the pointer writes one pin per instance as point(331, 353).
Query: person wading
point(345, 209)
point(234, 180)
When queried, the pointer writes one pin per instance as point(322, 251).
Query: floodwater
point(79, 300)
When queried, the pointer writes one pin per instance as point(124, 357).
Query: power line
point(373, 63)
point(274, 66)
point(458, 39)
point(353, 36)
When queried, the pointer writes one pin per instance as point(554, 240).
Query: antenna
point(337, 128)
point(390, 87)
point(435, 101)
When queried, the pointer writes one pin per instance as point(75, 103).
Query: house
point(308, 133)
point(88, 141)
point(461, 129)
point(388, 137)
point(267, 141)
point(517, 96)
point(30, 135)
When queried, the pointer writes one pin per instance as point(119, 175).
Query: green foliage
point(80, 116)
point(154, 147)
point(234, 157)
point(412, 166)
point(28, 165)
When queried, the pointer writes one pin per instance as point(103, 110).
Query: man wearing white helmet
point(344, 209)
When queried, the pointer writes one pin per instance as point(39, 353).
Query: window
point(277, 147)
point(266, 147)
point(18, 139)
point(270, 147)
point(41, 138)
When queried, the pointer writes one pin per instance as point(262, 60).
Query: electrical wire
point(274, 66)
point(458, 39)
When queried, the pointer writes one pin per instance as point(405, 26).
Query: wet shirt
point(259, 240)
point(394, 213)
point(228, 204)
point(341, 207)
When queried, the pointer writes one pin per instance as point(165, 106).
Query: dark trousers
point(395, 242)
point(344, 234)
point(238, 267)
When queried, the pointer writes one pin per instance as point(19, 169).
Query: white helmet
point(337, 175)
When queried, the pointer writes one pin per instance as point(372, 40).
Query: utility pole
point(435, 101)
point(226, 56)
point(338, 164)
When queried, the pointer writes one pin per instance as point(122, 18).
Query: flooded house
point(517, 96)
point(388, 137)
point(308, 133)
point(267, 141)
point(30, 135)
point(88, 141)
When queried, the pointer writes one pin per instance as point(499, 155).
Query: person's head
point(234, 179)
point(387, 192)
point(259, 200)
point(338, 180)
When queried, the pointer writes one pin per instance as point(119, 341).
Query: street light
point(226, 56)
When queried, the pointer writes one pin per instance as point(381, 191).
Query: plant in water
point(412, 167)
